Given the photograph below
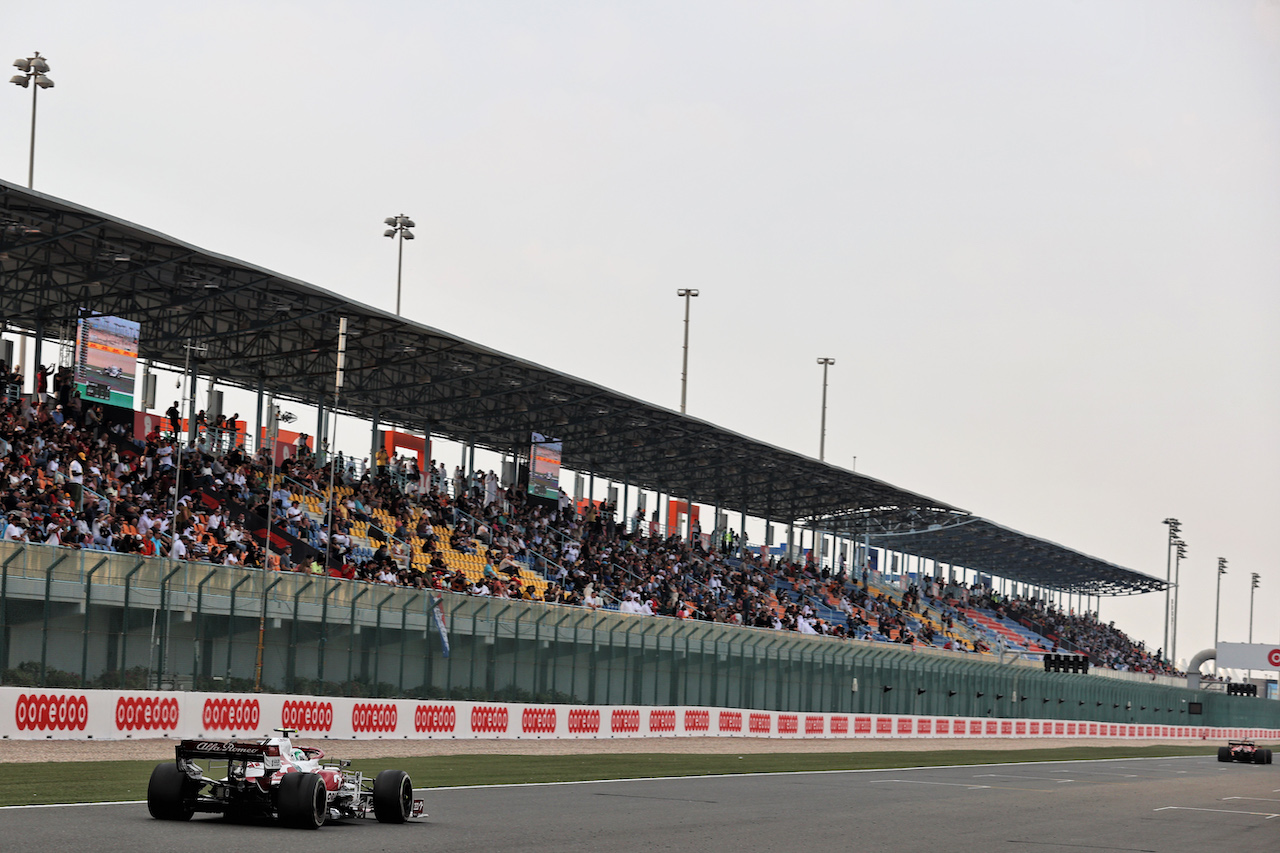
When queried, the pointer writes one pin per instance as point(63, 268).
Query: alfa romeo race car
point(1244, 750)
point(271, 778)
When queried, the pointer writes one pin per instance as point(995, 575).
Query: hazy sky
point(1040, 239)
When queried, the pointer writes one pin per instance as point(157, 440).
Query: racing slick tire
point(392, 796)
point(1224, 753)
point(170, 794)
point(302, 801)
point(1268, 759)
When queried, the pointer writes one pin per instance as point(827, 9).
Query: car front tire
point(392, 796)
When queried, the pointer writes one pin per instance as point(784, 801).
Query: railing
point(72, 618)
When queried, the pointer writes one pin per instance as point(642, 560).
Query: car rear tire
point(1224, 753)
point(1259, 756)
point(170, 794)
point(1268, 759)
point(392, 796)
point(302, 801)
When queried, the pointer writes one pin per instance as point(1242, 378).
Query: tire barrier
point(108, 714)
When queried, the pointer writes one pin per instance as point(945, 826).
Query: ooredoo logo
point(434, 718)
point(944, 727)
point(839, 725)
point(904, 725)
point(489, 719)
point(624, 720)
point(730, 721)
point(697, 721)
point(583, 721)
point(45, 712)
point(307, 716)
point(862, 725)
point(788, 724)
point(662, 720)
point(372, 717)
point(814, 725)
point(975, 727)
point(231, 714)
point(146, 712)
point(924, 727)
point(538, 720)
point(884, 725)
point(760, 724)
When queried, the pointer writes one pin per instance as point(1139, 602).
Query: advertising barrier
point(113, 715)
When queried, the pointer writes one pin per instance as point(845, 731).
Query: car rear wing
point(266, 753)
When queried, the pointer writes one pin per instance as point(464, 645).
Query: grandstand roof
point(976, 543)
point(263, 329)
point(57, 257)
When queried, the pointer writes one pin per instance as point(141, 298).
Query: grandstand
point(469, 537)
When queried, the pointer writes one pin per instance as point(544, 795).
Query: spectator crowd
point(72, 478)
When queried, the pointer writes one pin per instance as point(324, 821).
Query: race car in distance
point(1244, 750)
point(271, 778)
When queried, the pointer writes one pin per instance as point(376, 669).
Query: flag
point(437, 615)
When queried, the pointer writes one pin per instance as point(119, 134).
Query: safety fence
point(89, 620)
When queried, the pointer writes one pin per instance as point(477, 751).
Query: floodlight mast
point(400, 225)
point(1217, 607)
point(34, 69)
point(822, 436)
point(686, 294)
point(1175, 527)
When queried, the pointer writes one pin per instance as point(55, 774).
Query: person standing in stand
point(175, 417)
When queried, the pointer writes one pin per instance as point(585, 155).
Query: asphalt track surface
point(1167, 804)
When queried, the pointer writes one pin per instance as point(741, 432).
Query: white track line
point(1267, 815)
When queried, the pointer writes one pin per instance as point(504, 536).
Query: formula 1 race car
point(271, 778)
point(1244, 750)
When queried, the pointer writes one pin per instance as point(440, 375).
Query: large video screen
point(106, 360)
point(544, 466)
